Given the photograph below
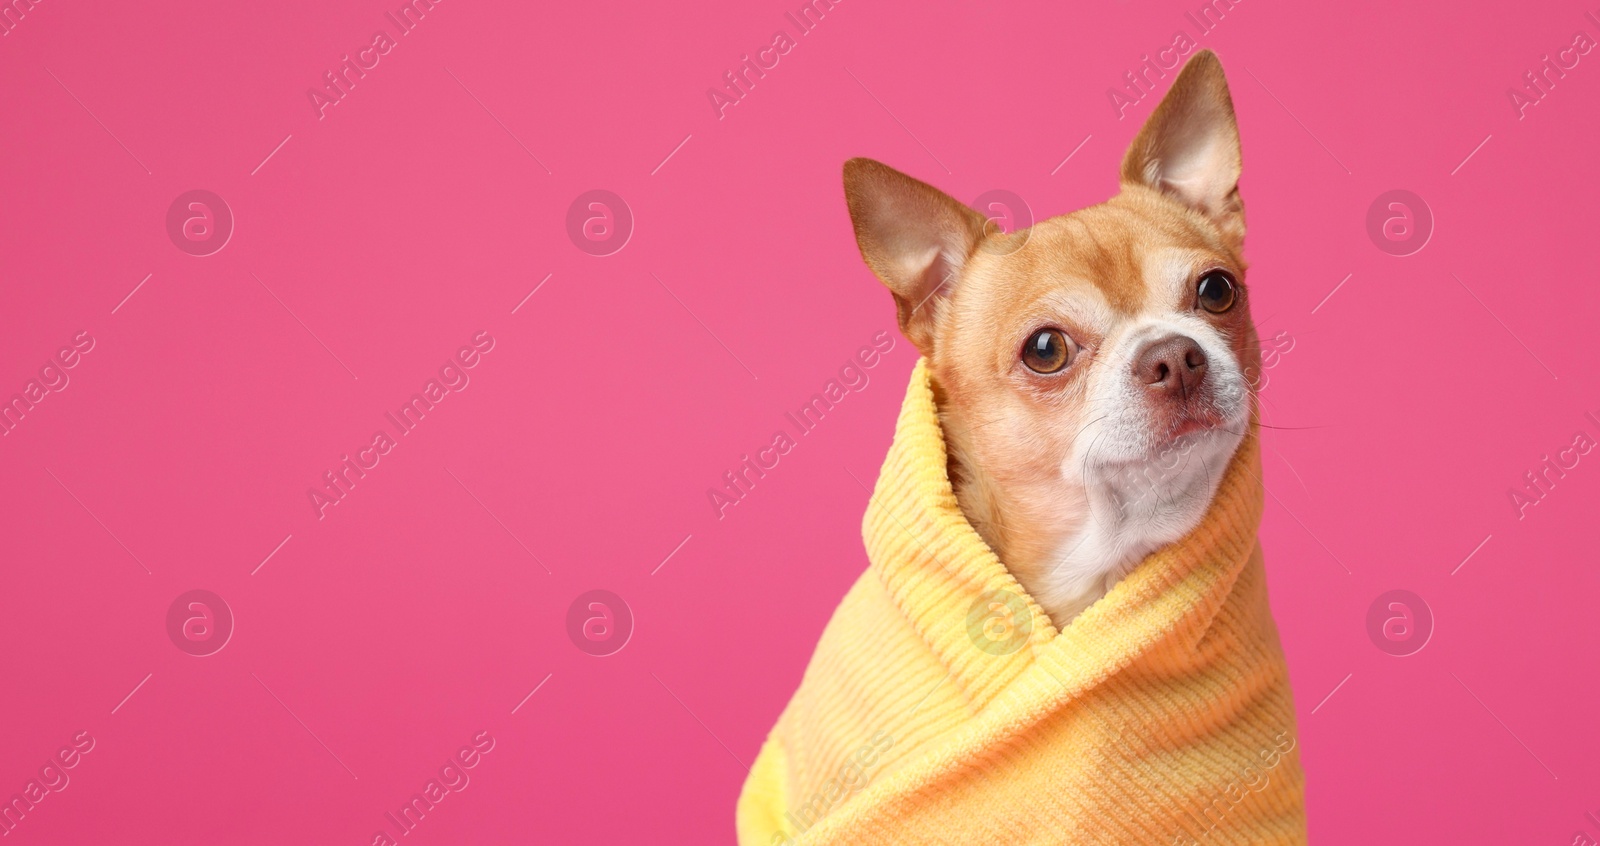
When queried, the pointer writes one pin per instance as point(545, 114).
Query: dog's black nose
point(1174, 365)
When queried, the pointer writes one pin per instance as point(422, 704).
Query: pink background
point(375, 642)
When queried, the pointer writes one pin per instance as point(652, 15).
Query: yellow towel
point(943, 707)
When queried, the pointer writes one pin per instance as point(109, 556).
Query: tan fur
point(1104, 275)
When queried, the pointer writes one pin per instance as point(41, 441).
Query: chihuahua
point(1094, 372)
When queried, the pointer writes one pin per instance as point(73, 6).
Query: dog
point(1079, 429)
point(1094, 373)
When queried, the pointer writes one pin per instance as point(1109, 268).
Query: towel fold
point(943, 707)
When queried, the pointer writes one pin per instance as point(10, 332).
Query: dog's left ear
point(1189, 148)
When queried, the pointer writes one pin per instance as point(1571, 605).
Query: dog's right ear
point(913, 236)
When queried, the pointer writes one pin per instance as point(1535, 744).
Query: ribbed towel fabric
point(943, 707)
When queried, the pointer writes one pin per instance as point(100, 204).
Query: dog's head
point(1095, 369)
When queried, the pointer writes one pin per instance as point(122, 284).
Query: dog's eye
point(1048, 351)
point(1215, 292)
